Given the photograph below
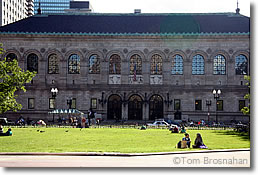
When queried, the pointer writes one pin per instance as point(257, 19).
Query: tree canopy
point(246, 110)
point(12, 79)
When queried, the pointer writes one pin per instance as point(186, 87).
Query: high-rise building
point(14, 10)
point(61, 6)
point(51, 6)
point(30, 7)
point(79, 7)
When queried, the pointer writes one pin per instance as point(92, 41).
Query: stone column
point(145, 112)
point(167, 110)
point(124, 111)
point(103, 111)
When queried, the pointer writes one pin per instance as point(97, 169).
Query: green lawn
point(112, 140)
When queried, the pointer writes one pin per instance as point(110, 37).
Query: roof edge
point(129, 34)
point(137, 14)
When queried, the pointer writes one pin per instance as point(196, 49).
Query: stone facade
point(85, 86)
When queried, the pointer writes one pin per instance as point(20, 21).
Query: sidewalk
point(116, 153)
point(207, 158)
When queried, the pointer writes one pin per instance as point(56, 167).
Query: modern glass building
point(51, 6)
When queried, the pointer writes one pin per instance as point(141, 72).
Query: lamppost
point(216, 94)
point(69, 102)
point(208, 103)
point(102, 101)
point(54, 92)
point(167, 101)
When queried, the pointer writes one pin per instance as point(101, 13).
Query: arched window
point(114, 110)
point(219, 65)
point(94, 64)
point(136, 65)
point(53, 64)
point(135, 108)
point(177, 65)
point(74, 64)
point(32, 62)
point(11, 57)
point(198, 65)
point(241, 65)
point(155, 107)
point(156, 65)
point(115, 64)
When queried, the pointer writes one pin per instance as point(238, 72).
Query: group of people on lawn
point(176, 129)
point(186, 142)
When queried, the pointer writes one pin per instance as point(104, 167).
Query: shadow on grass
point(242, 135)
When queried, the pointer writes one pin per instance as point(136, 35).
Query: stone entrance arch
point(114, 111)
point(155, 107)
point(135, 108)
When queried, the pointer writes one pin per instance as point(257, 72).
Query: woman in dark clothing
point(198, 143)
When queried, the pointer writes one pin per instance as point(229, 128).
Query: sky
point(170, 6)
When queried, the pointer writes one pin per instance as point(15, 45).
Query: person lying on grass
point(8, 133)
point(198, 143)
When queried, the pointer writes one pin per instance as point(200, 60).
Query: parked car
point(4, 121)
point(169, 121)
point(158, 123)
point(172, 126)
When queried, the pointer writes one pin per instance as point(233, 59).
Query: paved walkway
point(220, 158)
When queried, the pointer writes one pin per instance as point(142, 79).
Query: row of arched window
point(177, 64)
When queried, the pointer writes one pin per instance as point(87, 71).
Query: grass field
point(113, 140)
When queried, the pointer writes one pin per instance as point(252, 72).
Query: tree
point(246, 110)
point(12, 79)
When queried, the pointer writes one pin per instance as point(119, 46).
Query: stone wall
point(84, 86)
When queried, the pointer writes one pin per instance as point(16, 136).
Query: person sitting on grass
point(143, 127)
point(198, 143)
point(183, 130)
point(175, 130)
point(186, 140)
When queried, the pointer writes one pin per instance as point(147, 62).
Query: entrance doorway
point(156, 107)
point(135, 108)
point(114, 111)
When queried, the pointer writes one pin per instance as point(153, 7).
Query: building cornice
point(128, 35)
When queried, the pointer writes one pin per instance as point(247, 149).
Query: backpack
point(179, 144)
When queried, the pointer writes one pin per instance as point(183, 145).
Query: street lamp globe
point(52, 90)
